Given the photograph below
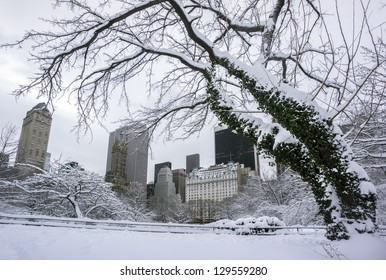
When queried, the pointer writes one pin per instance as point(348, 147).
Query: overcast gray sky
point(16, 16)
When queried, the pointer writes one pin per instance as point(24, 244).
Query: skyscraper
point(230, 146)
point(127, 155)
point(165, 196)
point(179, 178)
point(192, 162)
point(34, 136)
point(158, 167)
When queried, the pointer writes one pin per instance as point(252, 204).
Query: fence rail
point(161, 227)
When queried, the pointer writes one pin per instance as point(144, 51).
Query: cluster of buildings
point(127, 160)
point(235, 160)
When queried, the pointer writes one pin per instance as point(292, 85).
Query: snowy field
point(46, 253)
point(18, 242)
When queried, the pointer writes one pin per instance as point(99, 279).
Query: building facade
point(127, 156)
point(207, 186)
point(34, 136)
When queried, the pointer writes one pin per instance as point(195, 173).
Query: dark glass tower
point(230, 146)
point(192, 162)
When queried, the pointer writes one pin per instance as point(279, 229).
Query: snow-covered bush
point(249, 225)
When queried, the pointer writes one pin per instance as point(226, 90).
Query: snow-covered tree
point(134, 195)
point(67, 190)
point(181, 214)
point(230, 59)
point(170, 212)
point(288, 198)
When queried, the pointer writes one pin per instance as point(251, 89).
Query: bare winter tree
point(364, 120)
point(230, 59)
point(8, 143)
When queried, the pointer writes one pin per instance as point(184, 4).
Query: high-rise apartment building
point(127, 156)
point(192, 162)
point(34, 136)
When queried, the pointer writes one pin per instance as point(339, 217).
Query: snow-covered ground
point(42, 252)
point(19, 242)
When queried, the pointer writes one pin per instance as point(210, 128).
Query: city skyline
point(92, 155)
point(65, 145)
point(87, 148)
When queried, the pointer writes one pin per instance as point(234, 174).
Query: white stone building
point(207, 186)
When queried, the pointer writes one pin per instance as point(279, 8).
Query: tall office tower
point(165, 196)
point(127, 156)
point(192, 162)
point(179, 178)
point(158, 167)
point(34, 136)
point(230, 146)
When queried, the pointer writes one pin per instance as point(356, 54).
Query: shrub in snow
point(249, 225)
point(224, 224)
